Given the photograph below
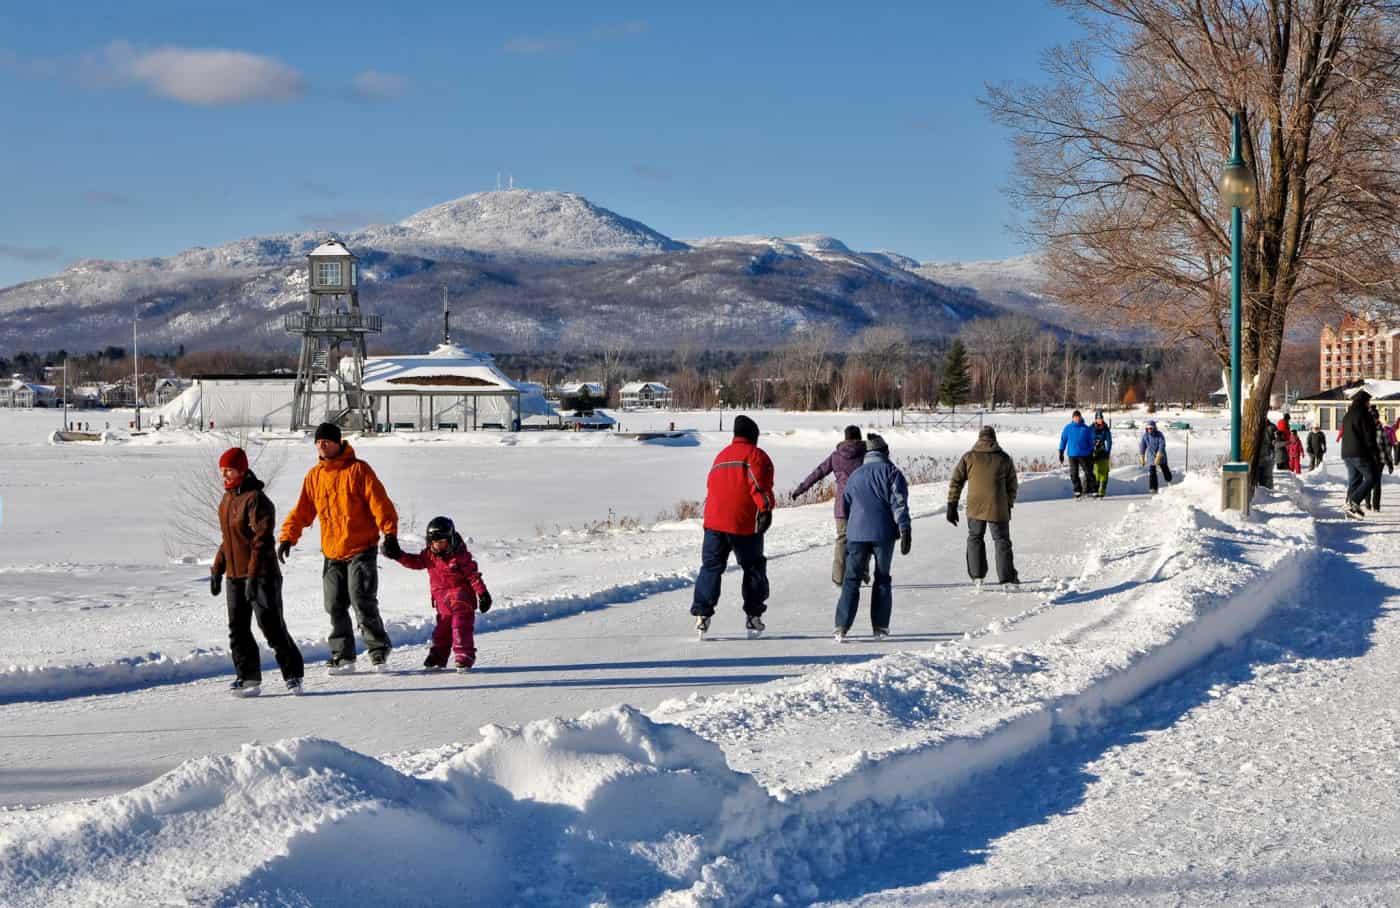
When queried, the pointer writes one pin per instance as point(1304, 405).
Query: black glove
point(284, 548)
point(391, 547)
point(953, 513)
point(216, 584)
point(906, 542)
point(1062, 457)
point(483, 603)
point(764, 521)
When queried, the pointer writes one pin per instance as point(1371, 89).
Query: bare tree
point(838, 382)
point(805, 358)
point(615, 351)
point(1119, 157)
point(883, 351)
point(988, 351)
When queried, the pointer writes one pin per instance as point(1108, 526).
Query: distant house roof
point(1337, 394)
point(633, 387)
point(244, 376)
point(595, 389)
point(331, 247)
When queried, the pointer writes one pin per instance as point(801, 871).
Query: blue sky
point(144, 128)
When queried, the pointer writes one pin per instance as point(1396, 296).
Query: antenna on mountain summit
point(446, 330)
point(498, 181)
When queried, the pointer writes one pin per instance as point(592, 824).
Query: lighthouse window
point(328, 274)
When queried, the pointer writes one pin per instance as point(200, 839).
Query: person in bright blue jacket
point(1077, 443)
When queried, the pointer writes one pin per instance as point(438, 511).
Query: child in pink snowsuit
point(1295, 453)
point(457, 590)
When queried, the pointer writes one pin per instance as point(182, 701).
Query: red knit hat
point(234, 458)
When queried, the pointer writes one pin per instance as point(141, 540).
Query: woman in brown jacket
point(248, 523)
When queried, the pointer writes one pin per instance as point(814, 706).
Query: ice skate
point(702, 626)
point(977, 585)
point(754, 625)
point(294, 687)
point(340, 667)
point(839, 635)
point(463, 667)
point(881, 632)
point(241, 688)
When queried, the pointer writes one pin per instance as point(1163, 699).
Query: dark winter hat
point(853, 433)
point(1363, 396)
point(1098, 414)
point(746, 428)
point(1152, 424)
point(1077, 413)
point(875, 442)
point(234, 459)
point(1285, 418)
point(987, 434)
point(328, 431)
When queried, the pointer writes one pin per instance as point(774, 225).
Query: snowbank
point(622, 807)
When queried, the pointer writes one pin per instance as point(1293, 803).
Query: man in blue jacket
point(877, 513)
point(1077, 442)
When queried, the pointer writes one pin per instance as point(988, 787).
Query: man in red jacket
point(738, 510)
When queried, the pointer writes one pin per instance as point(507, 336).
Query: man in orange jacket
point(738, 511)
point(350, 501)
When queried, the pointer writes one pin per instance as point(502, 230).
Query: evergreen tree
point(956, 387)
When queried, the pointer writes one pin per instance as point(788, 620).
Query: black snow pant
point(1313, 461)
point(1152, 474)
point(1376, 489)
point(977, 549)
point(260, 598)
point(1089, 486)
point(354, 583)
point(714, 557)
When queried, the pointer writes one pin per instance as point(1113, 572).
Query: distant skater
point(1152, 453)
point(1077, 443)
point(1317, 447)
point(1103, 453)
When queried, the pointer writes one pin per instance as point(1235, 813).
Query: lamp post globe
point(1237, 185)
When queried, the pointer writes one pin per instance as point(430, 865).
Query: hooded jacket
point(247, 525)
point(842, 462)
point(349, 500)
point(740, 485)
point(453, 577)
point(876, 501)
point(1358, 431)
point(1152, 445)
point(990, 477)
point(1103, 441)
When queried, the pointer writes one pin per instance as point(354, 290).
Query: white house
point(16, 392)
point(167, 389)
point(645, 395)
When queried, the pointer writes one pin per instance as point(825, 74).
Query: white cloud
point(203, 76)
point(373, 85)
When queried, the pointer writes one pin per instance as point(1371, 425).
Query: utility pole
point(136, 366)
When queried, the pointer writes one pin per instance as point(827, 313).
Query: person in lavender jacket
point(844, 461)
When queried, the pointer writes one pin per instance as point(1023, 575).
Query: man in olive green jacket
point(990, 477)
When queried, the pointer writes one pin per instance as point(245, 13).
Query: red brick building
point(1358, 349)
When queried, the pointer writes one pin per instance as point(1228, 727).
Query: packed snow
point(1109, 732)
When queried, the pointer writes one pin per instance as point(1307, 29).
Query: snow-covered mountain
point(523, 269)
